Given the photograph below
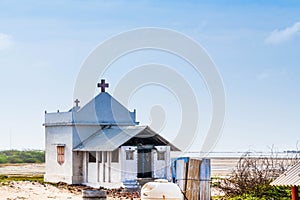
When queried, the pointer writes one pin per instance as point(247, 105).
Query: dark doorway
point(144, 163)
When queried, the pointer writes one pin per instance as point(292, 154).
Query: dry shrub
point(253, 174)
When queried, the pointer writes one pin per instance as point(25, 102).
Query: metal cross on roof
point(103, 85)
point(77, 102)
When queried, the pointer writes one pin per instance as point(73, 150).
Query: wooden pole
point(295, 193)
point(103, 165)
point(109, 165)
point(97, 165)
point(86, 160)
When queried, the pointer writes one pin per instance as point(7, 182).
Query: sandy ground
point(34, 191)
point(14, 190)
point(22, 169)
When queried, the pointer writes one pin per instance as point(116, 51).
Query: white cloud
point(278, 36)
point(263, 75)
point(5, 41)
point(268, 74)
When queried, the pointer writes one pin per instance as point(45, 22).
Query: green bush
point(265, 192)
point(262, 192)
point(28, 156)
point(3, 159)
point(14, 159)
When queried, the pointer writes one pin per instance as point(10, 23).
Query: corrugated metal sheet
point(205, 179)
point(109, 139)
point(290, 178)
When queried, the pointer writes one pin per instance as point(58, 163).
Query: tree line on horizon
point(17, 156)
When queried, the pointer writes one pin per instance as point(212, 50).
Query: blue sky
point(255, 46)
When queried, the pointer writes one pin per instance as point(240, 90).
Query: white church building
point(101, 143)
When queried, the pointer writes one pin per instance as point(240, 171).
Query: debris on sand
point(34, 190)
point(118, 193)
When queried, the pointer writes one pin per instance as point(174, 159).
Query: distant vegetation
point(16, 156)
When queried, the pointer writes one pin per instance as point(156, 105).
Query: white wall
point(55, 172)
point(116, 172)
point(129, 167)
point(92, 173)
point(61, 117)
point(161, 168)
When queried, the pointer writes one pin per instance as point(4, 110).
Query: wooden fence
point(193, 177)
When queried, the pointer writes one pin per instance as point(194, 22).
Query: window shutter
point(60, 154)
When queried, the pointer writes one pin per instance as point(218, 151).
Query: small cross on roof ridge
point(103, 85)
point(76, 102)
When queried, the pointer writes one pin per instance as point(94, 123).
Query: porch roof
point(289, 178)
point(109, 139)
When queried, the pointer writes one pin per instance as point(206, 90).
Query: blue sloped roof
point(104, 109)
